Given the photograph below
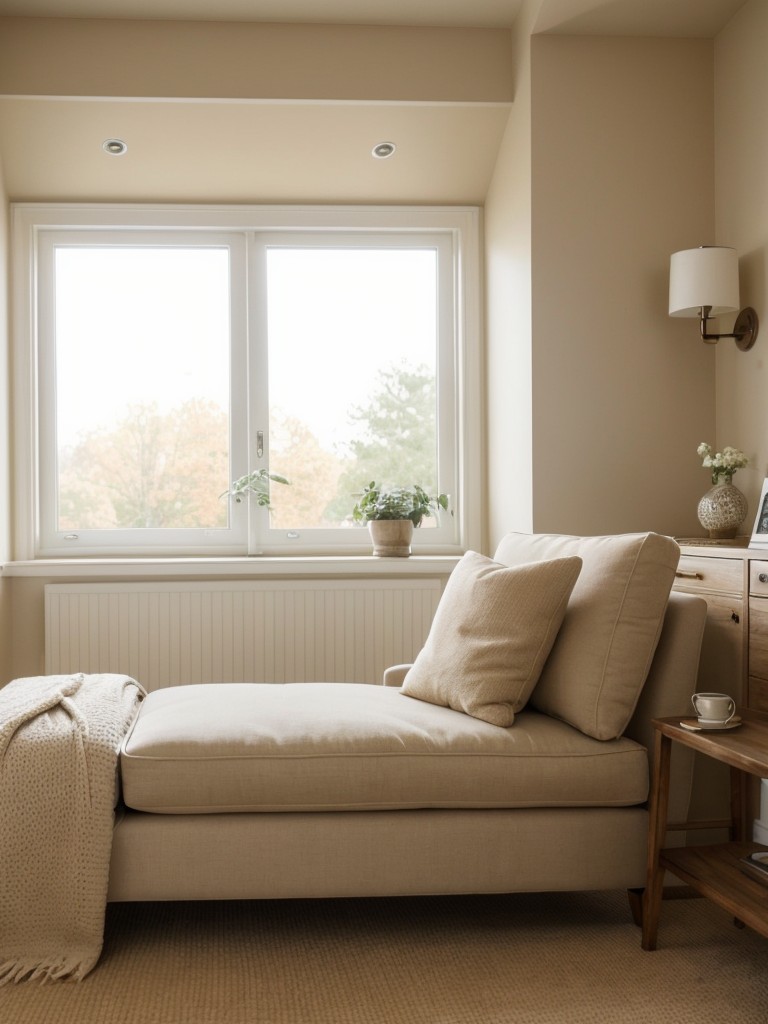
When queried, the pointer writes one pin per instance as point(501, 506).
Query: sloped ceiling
point(250, 113)
point(212, 142)
point(484, 13)
point(618, 17)
point(194, 151)
point(682, 18)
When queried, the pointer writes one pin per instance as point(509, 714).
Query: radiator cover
point(166, 634)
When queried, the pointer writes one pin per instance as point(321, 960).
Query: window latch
point(259, 444)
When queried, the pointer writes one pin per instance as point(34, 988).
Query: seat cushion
point(603, 651)
point(491, 635)
point(350, 746)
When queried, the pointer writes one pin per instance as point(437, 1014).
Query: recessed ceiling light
point(382, 150)
point(115, 147)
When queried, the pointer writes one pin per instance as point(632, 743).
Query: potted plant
point(393, 513)
point(255, 483)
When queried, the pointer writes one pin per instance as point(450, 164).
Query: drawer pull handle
point(734, 617)
point(763, 577)
point(681, 574)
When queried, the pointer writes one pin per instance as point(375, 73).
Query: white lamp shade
point(708, 276)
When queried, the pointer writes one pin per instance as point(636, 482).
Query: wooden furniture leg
point(657, 828)
point(635, 897)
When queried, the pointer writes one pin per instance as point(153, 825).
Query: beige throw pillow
point(603, 653)
point(491, 635)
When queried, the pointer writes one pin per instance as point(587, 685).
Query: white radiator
point(165, 634)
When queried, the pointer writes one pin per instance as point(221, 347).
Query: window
point(170, 351)
point(135, 376)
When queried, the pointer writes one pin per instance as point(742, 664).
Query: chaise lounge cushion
point(603, 652)
point(491, 635)
point(350, 746)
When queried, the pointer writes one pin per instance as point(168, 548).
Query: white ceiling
point(492, 13)
point(702, 18)
point(615, 17)
point(198, 152)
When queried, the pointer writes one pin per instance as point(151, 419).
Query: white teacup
point(714, 707)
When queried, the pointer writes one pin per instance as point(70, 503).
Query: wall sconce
point(704, 282)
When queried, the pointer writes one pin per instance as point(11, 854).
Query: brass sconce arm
point(744, 330)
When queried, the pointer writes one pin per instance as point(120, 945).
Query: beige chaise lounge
point(449, 783)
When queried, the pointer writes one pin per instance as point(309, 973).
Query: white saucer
point(697, 725)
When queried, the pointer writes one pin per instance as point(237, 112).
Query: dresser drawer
point(724, 575)
point(758, 578)
point(758, 638)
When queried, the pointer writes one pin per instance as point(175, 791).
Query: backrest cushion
point(603, 652)
point(491, 634)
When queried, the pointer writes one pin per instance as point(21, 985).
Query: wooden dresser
point(734, 659)
point(757, 647)
point(734, 581)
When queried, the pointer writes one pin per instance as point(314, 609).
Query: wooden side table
point(712, 871)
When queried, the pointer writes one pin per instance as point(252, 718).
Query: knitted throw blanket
point(59, 740)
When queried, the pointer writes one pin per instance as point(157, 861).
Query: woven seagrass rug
point(543, 958)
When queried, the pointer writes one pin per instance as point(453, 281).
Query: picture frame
point(759, 537)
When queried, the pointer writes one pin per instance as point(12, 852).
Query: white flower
point(724, 463)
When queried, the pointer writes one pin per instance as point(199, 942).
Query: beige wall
point(5, 492)
point(59, 57)
point(741, 190)
point(597, 401)
point(508, 307)
point(24, 617)
point(622, 175)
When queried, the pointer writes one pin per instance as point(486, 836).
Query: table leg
point(738, 806)
point(739, 830)
point(657, 829)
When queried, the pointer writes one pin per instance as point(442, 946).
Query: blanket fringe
point(73, 967)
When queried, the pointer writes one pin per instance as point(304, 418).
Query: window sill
point(261, 566)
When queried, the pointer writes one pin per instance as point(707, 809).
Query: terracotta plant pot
point(391, 537)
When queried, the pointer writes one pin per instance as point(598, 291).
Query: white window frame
point(455, 232)
point(231, 539)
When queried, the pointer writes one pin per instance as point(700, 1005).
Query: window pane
point(352, 376)
point(142, 386)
